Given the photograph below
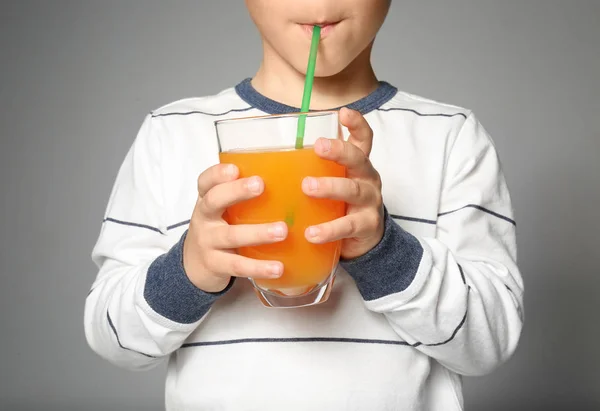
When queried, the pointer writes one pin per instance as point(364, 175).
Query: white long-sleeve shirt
point(441, 296)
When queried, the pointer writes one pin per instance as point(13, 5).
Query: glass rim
point(316, 113)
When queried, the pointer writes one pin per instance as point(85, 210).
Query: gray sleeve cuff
point(390, 266)
point(170, 293)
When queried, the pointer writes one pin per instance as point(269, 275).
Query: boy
point(428, 288)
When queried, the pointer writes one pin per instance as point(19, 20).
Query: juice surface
point(305, 264)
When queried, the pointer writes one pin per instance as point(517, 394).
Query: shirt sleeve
point(142, 305)
point(458, 296)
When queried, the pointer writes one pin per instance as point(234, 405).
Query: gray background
point(77, 77)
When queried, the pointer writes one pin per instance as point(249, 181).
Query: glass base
point(312, 296)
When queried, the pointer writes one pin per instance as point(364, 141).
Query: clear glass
point(264, 146)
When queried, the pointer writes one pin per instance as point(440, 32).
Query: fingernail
point(254, 185)
point(277, 231)
point(275, 270)
point(326, 145)
point(230, 170)
point(311, 183)
point(313, 232)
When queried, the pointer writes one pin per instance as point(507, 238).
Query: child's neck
point(279, 81)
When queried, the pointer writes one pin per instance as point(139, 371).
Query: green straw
point(308, 85)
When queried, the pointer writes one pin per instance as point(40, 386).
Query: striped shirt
point(439, 297)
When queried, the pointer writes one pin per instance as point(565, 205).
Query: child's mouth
point(326, 28)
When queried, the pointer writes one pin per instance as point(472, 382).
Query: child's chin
point(323, 69)
point(329, 71)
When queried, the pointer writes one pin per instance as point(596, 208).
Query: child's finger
point(361, 134)
point(221, 196)
point(355, 192)
point(217, 174)
point(346, 154)
point(231, 264)
point(350, 226)
point(248, 235)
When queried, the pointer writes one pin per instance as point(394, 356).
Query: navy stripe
point(171, 227)
point(414, 219)
point(130, 224)
point(422, 114)
point(464, 320)
point(456, 330)
point(188, 113)
point(321, 339)
point(460, 325)
point(293, 340)
point(147, 227)
point(462, 273)
point(480, 208)
point(112, 326)
point(510, 291)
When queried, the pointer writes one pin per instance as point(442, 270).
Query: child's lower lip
point(325, 28)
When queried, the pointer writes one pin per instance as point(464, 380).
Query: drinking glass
point(265, 146)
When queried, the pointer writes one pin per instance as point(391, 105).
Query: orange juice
point(305, 264)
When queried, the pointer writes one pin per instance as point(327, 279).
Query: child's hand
point(209, 256)
point(362, 227)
